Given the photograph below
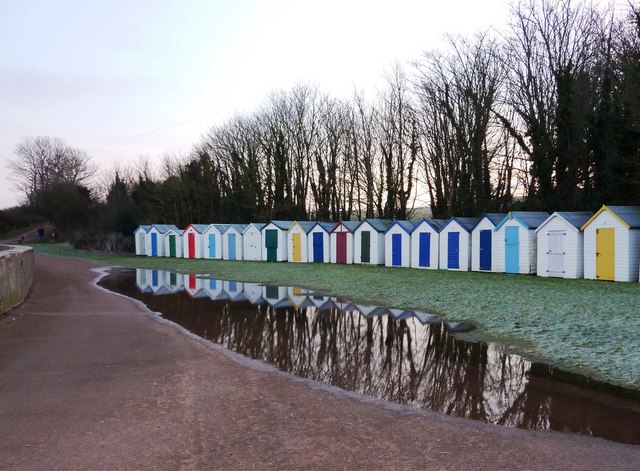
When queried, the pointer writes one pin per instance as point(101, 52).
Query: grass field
point(583, 326)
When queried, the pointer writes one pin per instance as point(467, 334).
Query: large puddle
point(407, 357)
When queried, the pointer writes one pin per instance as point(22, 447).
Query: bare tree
point(44, 161)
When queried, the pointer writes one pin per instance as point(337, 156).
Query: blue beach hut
point(482, 241)
point(425, 243)
point(397, 244)
point(455, 243)
point(515, 241)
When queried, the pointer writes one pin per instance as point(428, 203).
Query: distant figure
point(41, 234)
point(55, 234)
point(21, 239)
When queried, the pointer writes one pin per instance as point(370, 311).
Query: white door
point(556, 253)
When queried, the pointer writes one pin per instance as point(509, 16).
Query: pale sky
point(124, 78)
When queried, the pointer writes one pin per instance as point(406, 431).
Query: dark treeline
point(544, 114)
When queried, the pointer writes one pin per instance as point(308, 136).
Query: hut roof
point(350, 225)
point(528, 219)
point(325, 226)
point(284, 225)
point(238, 227)
point(380, 225)
point(407, 226)
point(198, 227)
point(466, 223)
point(142, 228)
point(628, 215)
point(306, 226)
point(164, 228)
point(575, 218)
point(494, 218)
point(257, 225)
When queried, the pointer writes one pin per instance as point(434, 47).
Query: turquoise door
point(212, 246)
point(232, 246)
point(511, 250)
point(453, 250)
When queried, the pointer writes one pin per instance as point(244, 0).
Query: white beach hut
point(397, 244)
point(274, 241)
point(482, 241)
point(368, 245)
point(212, 241)
point(560, 245)
point(234, 290)
point(298, 241)
point(140, 237)
point(455, 244)
point(192, 241)
point(612, 244)
point(319, 245)
point(516, 245)
point(425, 243)
point(253, 293)
point(232, 243)
point(154, 246)
point(252, 241)
point(171, 241)
point(341, 240)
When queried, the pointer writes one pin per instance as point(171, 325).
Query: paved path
point(90, 380)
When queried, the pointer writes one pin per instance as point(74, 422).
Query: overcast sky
point(121, 79)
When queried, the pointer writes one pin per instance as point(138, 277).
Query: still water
point(408, 357)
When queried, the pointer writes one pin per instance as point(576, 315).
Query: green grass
point(583, 326)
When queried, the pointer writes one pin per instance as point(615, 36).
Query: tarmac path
point(91, 380)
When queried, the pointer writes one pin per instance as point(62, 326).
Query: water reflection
point(408, 357)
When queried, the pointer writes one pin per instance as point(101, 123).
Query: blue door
point(424, 250)
point(511, 250)
point(154, 278)
point(453, 250)
point(154, 244)
point(318, 247)
point(212, 246)
point(485, 249)
point(396, 250)
point(232, 246)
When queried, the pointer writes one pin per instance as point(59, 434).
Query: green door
point(271, 243)
point(172, 246)
point(365, 246)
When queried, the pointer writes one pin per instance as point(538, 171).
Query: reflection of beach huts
point(342, 242)
point(252, 241)
point(276, 296)
point(322, 303)
point(612, 244)
point(320, 242)
point(212, 241)
point(253, 293)
point(140, 237)
point(214, 289)
point(192, 244)
point(173, 281)
point(482, 241)
point(397, 244)
point(516, 247)
point(143, 280)
point(560, 245)
point(455, 244)
point(368, 246)
point(274, 241)
point(299, 297)
point(298, 241)
point(194, 286)
point(234, 290)
point(232, 244)
point(425, 243)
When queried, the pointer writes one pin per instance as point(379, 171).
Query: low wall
point(16, 275)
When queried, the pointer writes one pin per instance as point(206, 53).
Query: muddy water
point(407, 357)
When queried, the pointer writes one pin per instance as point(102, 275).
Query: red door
point(192, 280)
point(341, 247)
point(192, 245)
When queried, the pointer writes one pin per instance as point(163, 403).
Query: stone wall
point(16, 275)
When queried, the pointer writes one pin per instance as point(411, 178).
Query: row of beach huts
point(604, 245)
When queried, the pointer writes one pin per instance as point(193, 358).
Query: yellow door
point(605, 253)
point(297, 252)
